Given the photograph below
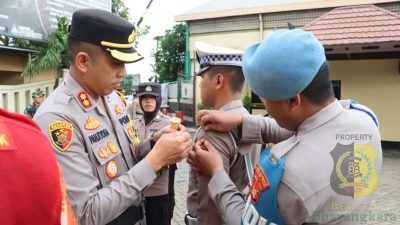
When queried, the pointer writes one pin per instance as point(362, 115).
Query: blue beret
point(284, 64)
point(211, 55)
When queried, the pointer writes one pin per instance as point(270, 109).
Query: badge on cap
point(91, 123)
point(148, 88)
point(131, 37)
point(61, 134)
point(112, 169)
point(259, 184)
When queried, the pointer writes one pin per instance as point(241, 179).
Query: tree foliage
point(170, 54)
point(118, 7)
point(51, 54)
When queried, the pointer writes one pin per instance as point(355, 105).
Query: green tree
point(118, 7)
point(170, 54)
point(51, 54)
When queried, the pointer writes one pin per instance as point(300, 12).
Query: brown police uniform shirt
point(305, 194)
point(199, 204)
point(92, 142)
point(143, 132)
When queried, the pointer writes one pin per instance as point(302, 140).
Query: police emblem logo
point(131, 37)
point(61, 134)
point(259, 184)
point(111, 169)
point(354, 171)
point(91, 123)
point(148, 88)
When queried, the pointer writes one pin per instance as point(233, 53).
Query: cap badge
point(61, 134)
point(112, 169)
point(148, 88)
point(131, 37)
point(91, 123)
point(84, 99)
point(112, 147)
point(104, 151)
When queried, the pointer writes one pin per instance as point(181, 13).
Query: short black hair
point(320, 89)
point(233, 73)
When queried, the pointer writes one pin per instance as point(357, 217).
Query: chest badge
point(111, 169)
point(91, 123)
point(61, 134)
point(119, 109)
point(104, 151)
point(112, 147)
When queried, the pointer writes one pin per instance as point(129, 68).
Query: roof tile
point(356, 25)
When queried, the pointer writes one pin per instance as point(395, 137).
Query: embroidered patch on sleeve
point(61, 134)
point(6, 140)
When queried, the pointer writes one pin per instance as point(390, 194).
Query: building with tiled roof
point(361, 40)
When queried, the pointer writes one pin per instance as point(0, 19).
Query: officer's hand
point(166, 130)
point(218, 120)
point(169, 149)
point(205, 159)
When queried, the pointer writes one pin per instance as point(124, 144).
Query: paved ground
point(387, 194)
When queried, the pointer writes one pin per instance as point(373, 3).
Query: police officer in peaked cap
point(91, 132)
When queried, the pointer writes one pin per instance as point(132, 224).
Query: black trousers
point(157, 210)
point(129, 217)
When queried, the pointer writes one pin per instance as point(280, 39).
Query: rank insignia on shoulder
point(61, 134)
point(259, 184)
point(111, 169)
point(84, 99)
point(6, 140)
point(91, 123)
point(119, 109)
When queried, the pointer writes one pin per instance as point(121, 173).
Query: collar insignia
point(84, 99)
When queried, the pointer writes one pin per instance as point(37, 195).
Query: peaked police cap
point(149, 88)
point(107, 30)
